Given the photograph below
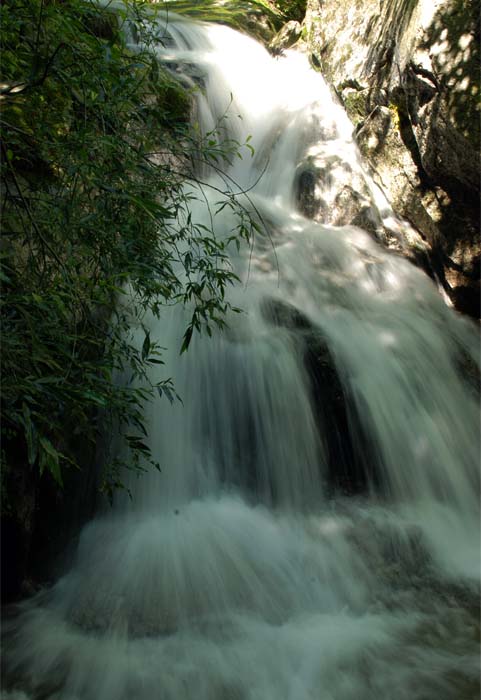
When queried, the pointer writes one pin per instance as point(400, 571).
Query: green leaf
point(49, 459)
point(187, 339)
point(95, 398)
point(168, 392)
point(146, 346)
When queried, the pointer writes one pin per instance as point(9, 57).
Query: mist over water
point(243, 571)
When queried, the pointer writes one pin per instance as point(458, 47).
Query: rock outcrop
point(407, 72)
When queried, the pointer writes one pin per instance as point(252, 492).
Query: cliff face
point(407, 72)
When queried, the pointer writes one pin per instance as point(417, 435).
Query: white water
point(235, 573)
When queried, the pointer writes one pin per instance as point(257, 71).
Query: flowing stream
point(314, 531)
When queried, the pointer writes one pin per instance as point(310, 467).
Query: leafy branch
point(81, 226)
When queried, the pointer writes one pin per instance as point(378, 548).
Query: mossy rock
point(354, 102)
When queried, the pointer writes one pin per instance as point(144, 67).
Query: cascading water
point(240, 571)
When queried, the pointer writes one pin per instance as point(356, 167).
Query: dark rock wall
point(40, 520)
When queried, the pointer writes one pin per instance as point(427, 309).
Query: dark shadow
point(455, 35)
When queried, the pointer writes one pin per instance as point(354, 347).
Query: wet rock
point(308, 203)
point(398, 553)
point(280, 313)
point(352, 459)
point(320, 197)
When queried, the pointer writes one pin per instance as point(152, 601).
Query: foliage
point(95, 145)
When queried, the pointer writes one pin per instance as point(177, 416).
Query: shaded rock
point(368, 219)
point(103, 25)
point(372, 132)
point(19, 503)
point(39, 519)
point(285, 38)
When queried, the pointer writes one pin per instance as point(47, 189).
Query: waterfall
point(314, 529)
